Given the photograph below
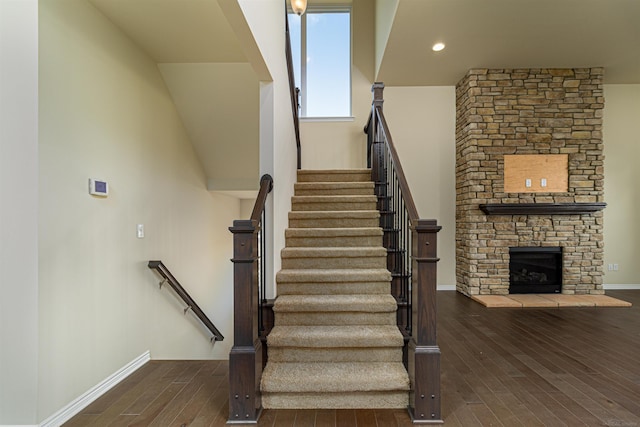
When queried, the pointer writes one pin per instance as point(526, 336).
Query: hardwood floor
point(500, 367)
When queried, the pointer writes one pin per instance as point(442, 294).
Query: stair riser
point(364, 191)
point(335, 318)
point(334, 222)
point(324, 355)
point(359, 176)
point(350, 400)
point(334, 242)
point(332, 206)
point(351, 288)
point(335, 304)
point(318, 341)
point(329, 263)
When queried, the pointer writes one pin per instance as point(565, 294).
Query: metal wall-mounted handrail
point(184, 295)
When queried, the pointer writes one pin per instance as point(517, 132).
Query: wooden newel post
point(424, 353)
point(245, 358)
point(376, 151)
point(378, 99)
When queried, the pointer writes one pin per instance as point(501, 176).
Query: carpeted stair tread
point(333, 275)
point(351, 288)
point(333, 232)
point(334, 214)
point(334, 377)
point(355, 252)
point(334, 184)
point(329, 199)
point(333, 188)
point(334, 219)
point(335, 310)
point(335, 318)
point(333, 237)
point(334, 175)
point(351, 400)
point(333, 203)
point(335, 303)
point(338, 257)
point(345, 354)
point(333, 281)
point(336, 336)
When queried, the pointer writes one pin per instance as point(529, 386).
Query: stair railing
point(249, 299)
point(168, 278)
point(294, 91)
point(411, 245)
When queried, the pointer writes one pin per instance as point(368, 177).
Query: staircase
point(335, 343)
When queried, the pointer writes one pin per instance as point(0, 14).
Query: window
point(323, 38)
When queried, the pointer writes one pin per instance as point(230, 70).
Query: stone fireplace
point(534, 112)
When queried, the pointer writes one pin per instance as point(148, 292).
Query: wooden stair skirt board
point(335, 343)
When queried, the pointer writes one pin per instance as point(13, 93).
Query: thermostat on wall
point(98, 187)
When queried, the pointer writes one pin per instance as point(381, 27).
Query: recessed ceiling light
point(437, 47)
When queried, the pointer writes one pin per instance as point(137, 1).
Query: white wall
point(342, 144)
point(385, 14)
point(18, 211)
point(105, 113)
point(622, 150)
point(219, 106)
point(277, 140)
point(422, 122)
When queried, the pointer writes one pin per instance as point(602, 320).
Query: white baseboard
point(19, 425)
point(613, 287)
point(446, 288)
point(73, 408)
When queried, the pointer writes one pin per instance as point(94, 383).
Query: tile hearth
point(548, 301)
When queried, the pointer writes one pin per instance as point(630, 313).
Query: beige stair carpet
point(335, 343)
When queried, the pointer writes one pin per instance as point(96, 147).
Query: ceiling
point(201, 44)
point(477, 34)
point(212, 68)
point(508, 34)
point(174, 31)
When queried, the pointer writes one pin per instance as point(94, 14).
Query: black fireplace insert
point(535, 270)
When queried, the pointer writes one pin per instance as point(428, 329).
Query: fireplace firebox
point(535, 270)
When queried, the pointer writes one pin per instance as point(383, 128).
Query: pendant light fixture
point(298, 6)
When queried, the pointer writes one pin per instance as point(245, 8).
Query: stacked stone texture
point(527, 111)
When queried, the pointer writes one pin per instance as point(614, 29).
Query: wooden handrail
point(402, 180)
point(294, 91)
point(266, 185)
point(411, 245)
point(182, 293)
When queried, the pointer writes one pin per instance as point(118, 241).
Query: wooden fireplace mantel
point(541, 208)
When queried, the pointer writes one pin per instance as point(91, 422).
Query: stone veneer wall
point(527, 111)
